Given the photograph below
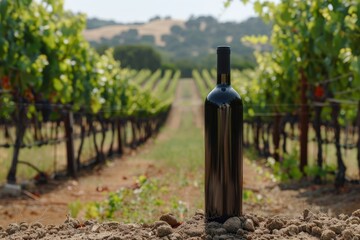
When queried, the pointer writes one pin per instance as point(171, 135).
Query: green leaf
point(258, 7)
point(58, 86)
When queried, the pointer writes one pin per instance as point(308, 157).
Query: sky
point(128, 11)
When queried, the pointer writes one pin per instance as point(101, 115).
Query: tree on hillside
point(138, 57)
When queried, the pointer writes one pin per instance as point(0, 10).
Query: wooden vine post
point(358, 142)
point(276, 136)
point(20, 132)
point(120, 144)
point(304, 123)
point(69, 134)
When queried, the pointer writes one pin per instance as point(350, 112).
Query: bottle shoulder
point(222, 94)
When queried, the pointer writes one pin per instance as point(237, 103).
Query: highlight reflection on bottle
point(223, 145)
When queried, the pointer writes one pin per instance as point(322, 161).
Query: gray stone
point(213, 225)
point(220, 231)
point(249, 225)
point(241, 232)
point(232, 224)
point(12, 190)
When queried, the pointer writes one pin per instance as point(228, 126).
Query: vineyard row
point(271, 133)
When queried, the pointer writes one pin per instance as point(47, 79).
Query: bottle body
point(223, 153)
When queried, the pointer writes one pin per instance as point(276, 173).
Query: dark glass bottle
point(223, 145)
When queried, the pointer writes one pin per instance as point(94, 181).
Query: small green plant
point(74, 208)
point(250, 196)
point(126, 203)
point(316, 171)
point(288, 168)
point(178, 207)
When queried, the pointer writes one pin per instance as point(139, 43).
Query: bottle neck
point(223, 68)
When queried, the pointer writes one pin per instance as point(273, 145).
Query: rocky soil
point(309, 225)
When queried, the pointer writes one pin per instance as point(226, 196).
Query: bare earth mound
point(308, 226)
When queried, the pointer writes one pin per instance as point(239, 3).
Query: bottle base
point(219, 219)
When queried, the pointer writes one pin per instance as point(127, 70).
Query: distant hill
point(114, 34)
point(193, 41)
point(92, 23)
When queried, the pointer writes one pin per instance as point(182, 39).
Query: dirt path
point(52, 206)
point(263, 196)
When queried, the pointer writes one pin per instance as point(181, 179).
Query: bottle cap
point(223, 50)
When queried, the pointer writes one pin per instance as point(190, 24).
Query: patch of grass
point(184, 150)
point(138, 204)
point(74, 208)
point(48, 158)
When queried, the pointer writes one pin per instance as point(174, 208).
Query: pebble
point(193, 229)
point(89, 222)
point(111, 225)
point(356, 213)
point(36, 225)
point(292, 230)
point(302, 228)
point(256, 221)
point(232, 225)
point(249, 225)
point(175, 236)
point(319, 223)
point(308, 215)
point(213, 225)
point(95, 228)
point(40, 233)
point(220, 231)
point(13, 228)
point(170, 219)
point(200, 212)
point(343, 216)
point(53, 231)
point(274, 223)
point(159, 223)
point(163, 231)
point(225, 237)
point(3, 234)
point(316, 231)
point(72, 222)
point(194, 232)
point(347, 234)
point(328, 235)
point(24, 226)
point(241, 232)
point(337, 228)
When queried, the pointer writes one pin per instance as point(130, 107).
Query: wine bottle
point(223, 145)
